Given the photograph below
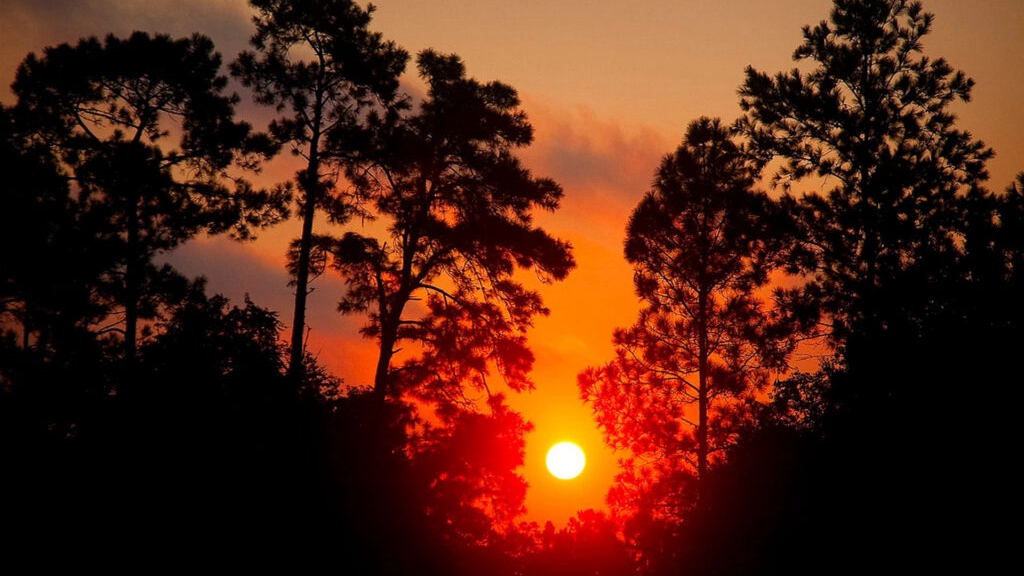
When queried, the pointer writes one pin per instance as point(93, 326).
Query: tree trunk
point(131, 286)
point(391, 319)
point(311, 186)
point(388, 338)
point(702, 393)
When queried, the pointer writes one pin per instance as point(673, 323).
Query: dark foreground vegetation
point(142, 418)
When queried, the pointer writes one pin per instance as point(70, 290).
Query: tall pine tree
point(324, 71)
point(459, 209)
point(872, 119)
point(113, 110)
point(702, 243)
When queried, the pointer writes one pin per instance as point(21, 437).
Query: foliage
point(328, 105)
point(111, 109)
point(470, 466)
point(455, 210)
point(588, 545)
point(458, 207)
point(871, 118)
point(234, 347)
point(53, 259)
point(215, 441)
point(322, 103)
point(702, 242)
point(442, 501)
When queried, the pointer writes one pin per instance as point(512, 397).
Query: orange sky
point(609, 87)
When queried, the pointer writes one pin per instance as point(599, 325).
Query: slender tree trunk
point(131, 312)
point(391, 319)
point(702, 392)
point(132, 283)
point(388, 338)
point(703, 295)
point(302, 274)
point(129, 387)
point(311, 187)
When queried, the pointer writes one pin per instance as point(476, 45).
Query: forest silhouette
point(145, 421)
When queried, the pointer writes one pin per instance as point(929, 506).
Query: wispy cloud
point(30, 26)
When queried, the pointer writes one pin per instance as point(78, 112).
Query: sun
point(565, 460)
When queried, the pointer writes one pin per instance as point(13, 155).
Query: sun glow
point(565, 460)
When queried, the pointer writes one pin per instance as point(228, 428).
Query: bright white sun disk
point(565, 460)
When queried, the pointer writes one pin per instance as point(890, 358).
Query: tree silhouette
point(111, 109)
point(216, 443)
point(702, 243)
point(588, 545)
point(909, 257)
point(474, 493)
point(458, 207)
point(991, 270)
point(51, 362)
point(872, 120)
point(322, 99)
point(51, 261)
point(455, 218)
point(910, 260)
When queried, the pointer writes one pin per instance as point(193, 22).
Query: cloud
point(604, 168)
point(30, 26)
point(582, 150)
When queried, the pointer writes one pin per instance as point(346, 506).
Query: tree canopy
point(458, 210)
point(872, 119)
point(326, 73)
point(113, 110)
point(702, 243)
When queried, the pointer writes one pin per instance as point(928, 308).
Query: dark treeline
point(143, 419)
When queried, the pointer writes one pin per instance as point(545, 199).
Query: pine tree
point(112, 110)
point(458, 207)
point(323, 70)
point(871, 119)
point(702, 243)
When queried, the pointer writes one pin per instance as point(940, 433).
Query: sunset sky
point(609, 87)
